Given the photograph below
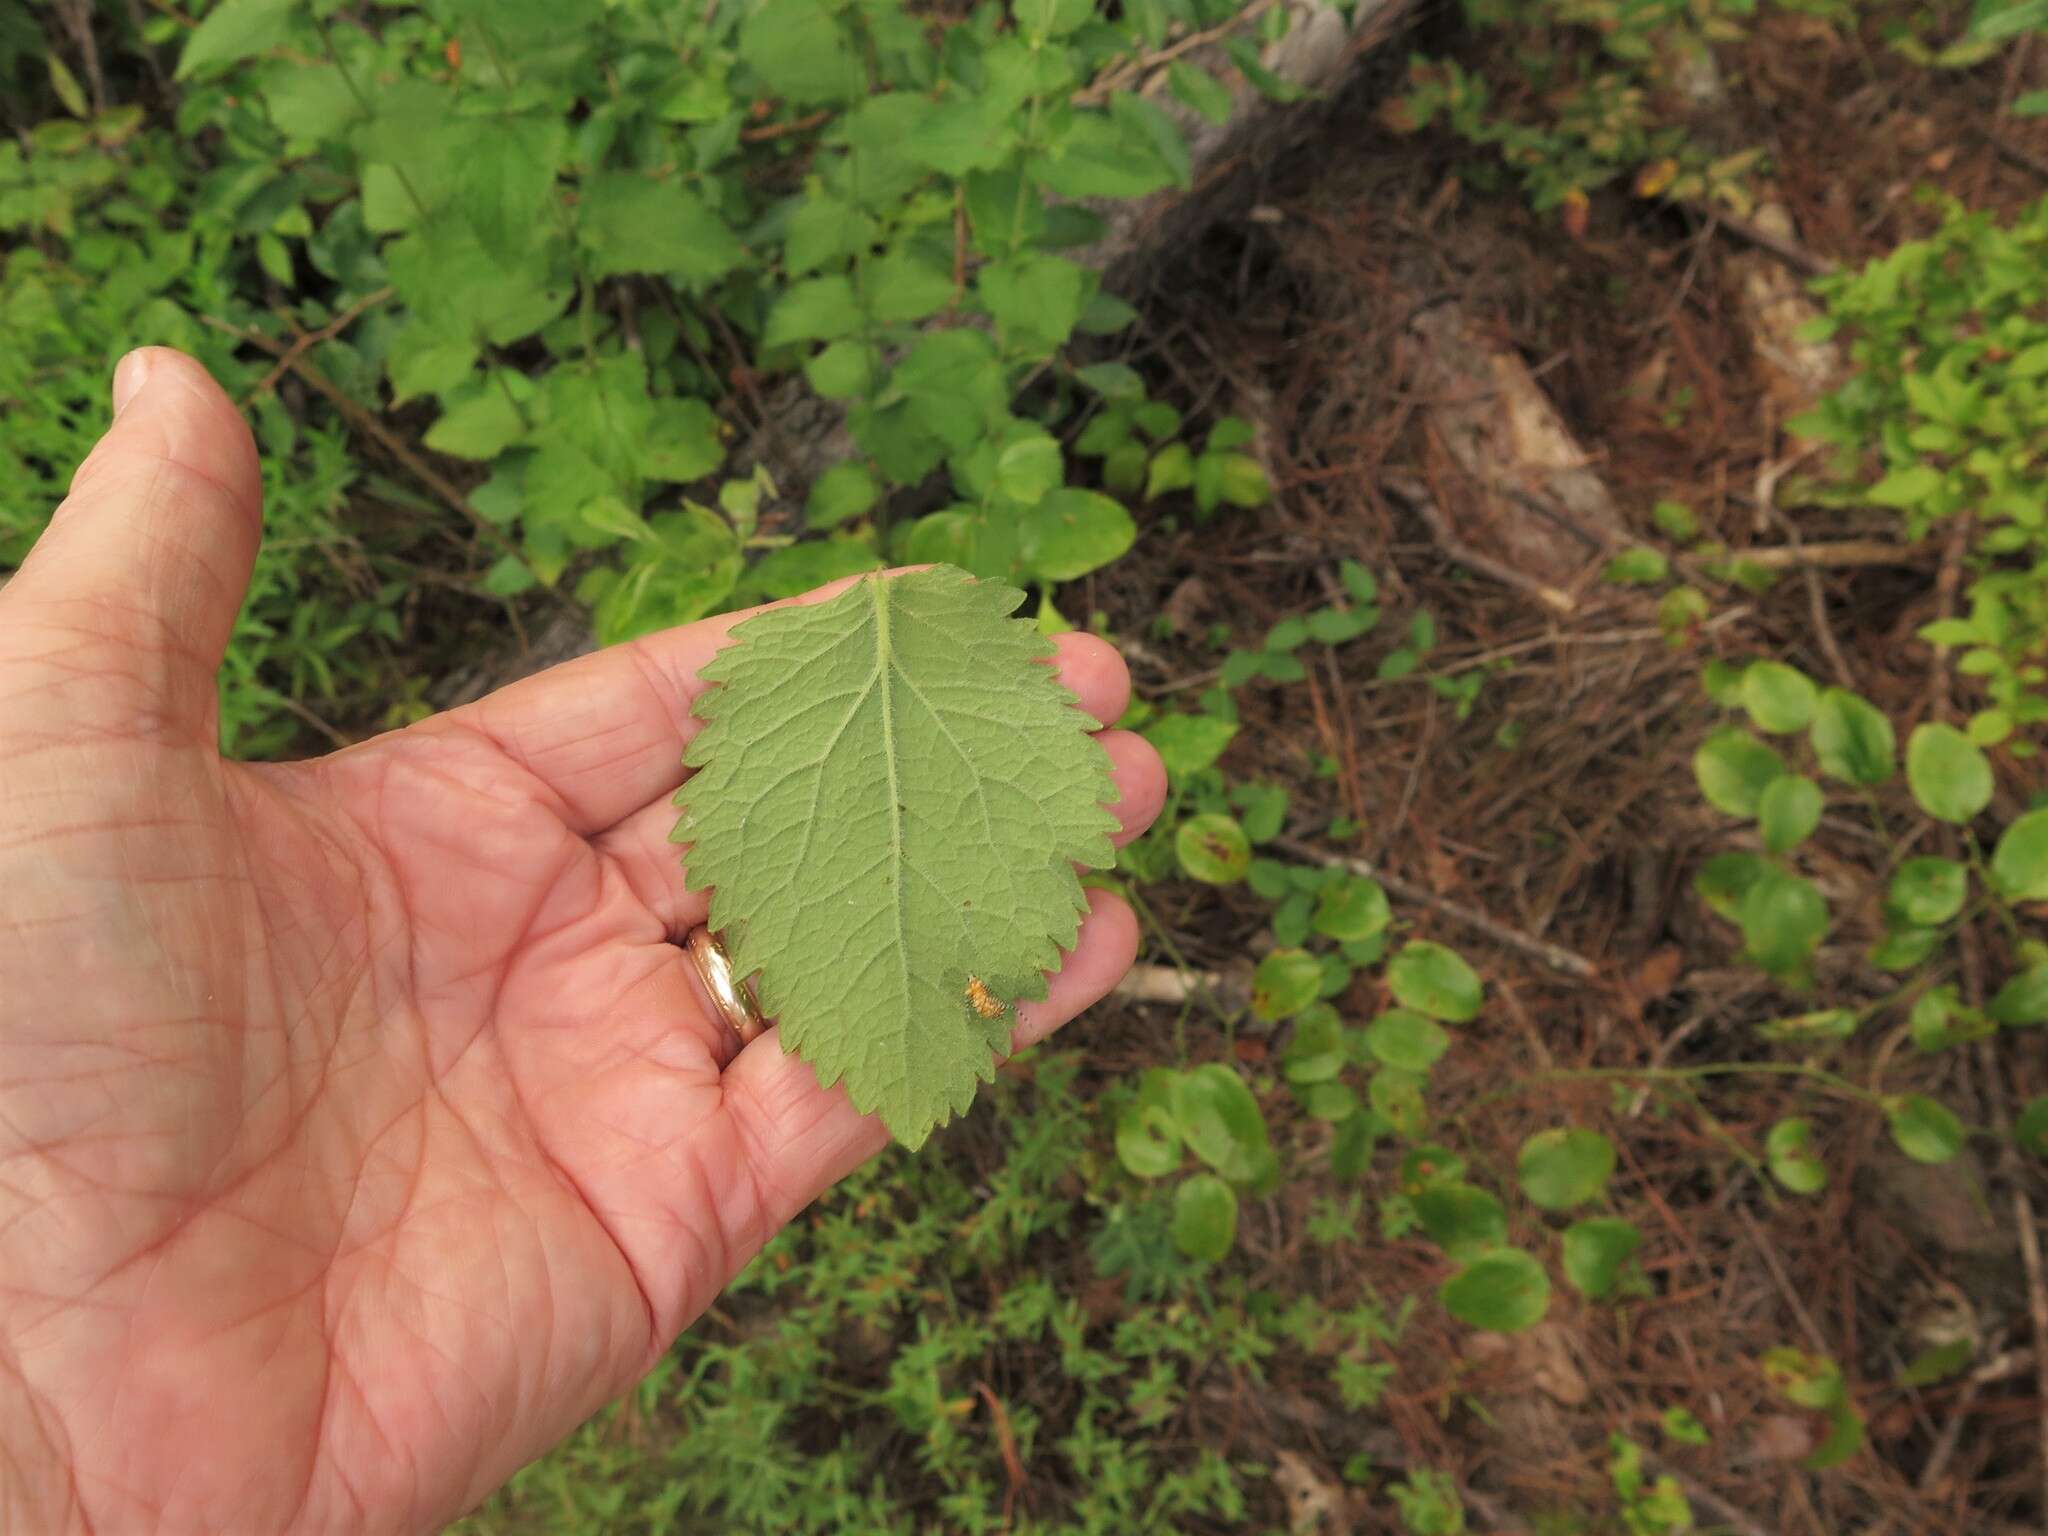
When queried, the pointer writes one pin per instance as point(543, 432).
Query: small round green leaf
point(2023, 1000)
point(1399, 1038)
point(1396, 1096)
point(1425, 1166)
point(1213, 849)
point(1204, 1218)
point(1565, 1167)
point(1904, 948)
point(1317, 1052)
point(1805, 1380)
point(1949, 774)
point(1220, 1121)
point(1463, 1219)
point(1789, 1151)
point(844, 491)
point(1779, 698)
point(2030, 1131)
point(1734, 769)
point(1330, 1101)
point(1286, 981)
point(1852, 740)
point(1434, 980)
point(1594, 1252)
point(1683, 1427)
point(1925, 1130)
point(1782, 919)
point(1788, 813)
point(1504, 1291)
point(1725, 878)
point(1926, 891)
point(1072, 532)
point(1351, 908)
point(1030, 467)
point(1147, 1141)
point(2020, 862)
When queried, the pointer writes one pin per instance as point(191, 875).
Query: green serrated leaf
point(632, 224)
point(891, 796)
point(236, 30)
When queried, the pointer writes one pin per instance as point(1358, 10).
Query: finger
point(652, 866)
point(1094, 670)
point(152, 549)
point(605, 732)
point(790, 1140)
point(1140, 782)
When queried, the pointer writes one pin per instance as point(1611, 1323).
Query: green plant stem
point(1820, 1076)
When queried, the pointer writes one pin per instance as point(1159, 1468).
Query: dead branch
point(1555, 956)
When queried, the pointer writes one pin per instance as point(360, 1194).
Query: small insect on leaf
point(983, 1001)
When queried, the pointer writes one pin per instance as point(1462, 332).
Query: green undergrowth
point(579, 257)
point(571, 258)
point(879, 1364)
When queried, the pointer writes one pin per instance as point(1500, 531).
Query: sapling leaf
point(892, 792)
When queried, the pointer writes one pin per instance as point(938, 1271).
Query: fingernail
point(129, 375)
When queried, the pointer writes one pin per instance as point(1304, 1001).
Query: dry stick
point(1951, 1434)
point(1841, 552)
point(1552, 955)
point(1791, 252)
point(307, 340)
point(1786, 1290)
point(363, 422)
point(1102, 89)
point(1006, 1443)
point(1413, 495)
point(1166, 984)
point(1767, 478)
point(2024, 158)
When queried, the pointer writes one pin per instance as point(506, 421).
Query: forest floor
point(1556, 798)
point(1583, 834)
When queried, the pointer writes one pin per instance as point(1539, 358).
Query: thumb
point(152, 549)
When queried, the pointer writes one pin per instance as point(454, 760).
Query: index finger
point(604, 733)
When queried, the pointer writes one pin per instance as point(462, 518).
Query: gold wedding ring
point(733, 998)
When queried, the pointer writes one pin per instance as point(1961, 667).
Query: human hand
point(362, 1125)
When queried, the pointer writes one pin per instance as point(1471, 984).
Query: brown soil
point(1585, 835)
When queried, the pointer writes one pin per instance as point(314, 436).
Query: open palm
point(362, 1126)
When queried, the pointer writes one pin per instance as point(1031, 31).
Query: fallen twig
point(1555, 956)
point(1767, 478)
point(1790, 252)
point(1116, 79)
point(1166, 984)
point(1841, 552)
point(1786, 1289)
point(2025, 159)
point(1006, 1444)
point(307, 340)
point(369, 426)
point(1413, 495)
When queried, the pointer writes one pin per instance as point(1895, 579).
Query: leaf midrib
point(897, 882)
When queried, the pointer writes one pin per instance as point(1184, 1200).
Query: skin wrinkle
point(428, 1155)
